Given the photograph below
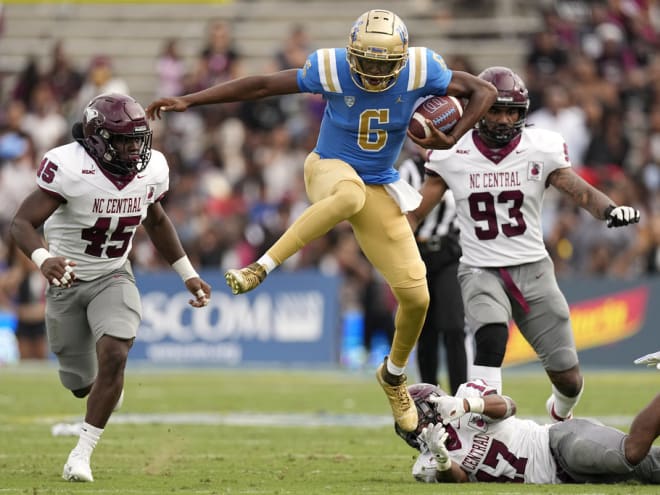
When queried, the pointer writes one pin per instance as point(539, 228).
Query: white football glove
point(619, 216)
point(435, 436)
point(650, 360)
point(451, 408)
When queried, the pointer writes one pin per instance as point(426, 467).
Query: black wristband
point(608, 210)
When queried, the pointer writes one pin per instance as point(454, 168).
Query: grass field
point(258, 432)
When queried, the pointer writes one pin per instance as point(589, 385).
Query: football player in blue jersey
point(371, 87)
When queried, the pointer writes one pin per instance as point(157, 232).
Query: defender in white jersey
point(498, 174)
point(92, 195)
point(475, 436)
point(370, 88)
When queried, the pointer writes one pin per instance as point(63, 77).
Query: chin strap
point(77, 133)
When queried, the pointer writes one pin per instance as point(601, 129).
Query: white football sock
point(564, 405)
point(89, 437)
point(267, 262)
point(393, 369)
point(491, 375)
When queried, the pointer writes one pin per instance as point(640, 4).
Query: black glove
point(618, 216)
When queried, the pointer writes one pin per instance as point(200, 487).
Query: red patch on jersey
point(534, 170)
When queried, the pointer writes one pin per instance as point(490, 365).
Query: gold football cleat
point(402, 404)
point(245, 279)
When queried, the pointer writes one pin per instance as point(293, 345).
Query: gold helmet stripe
point(417, 71)
point(328, 70)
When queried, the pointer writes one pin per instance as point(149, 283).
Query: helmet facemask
point(377, 50)
point(119, 158)
point(502, 134)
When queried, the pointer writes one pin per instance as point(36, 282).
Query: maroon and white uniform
point(505, 271)
point(522, 451)
point(509, 450)
point(96, 224)
point(499, 194)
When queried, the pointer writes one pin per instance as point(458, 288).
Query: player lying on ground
point(475, 436)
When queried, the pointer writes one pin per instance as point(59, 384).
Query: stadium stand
point(134, 33)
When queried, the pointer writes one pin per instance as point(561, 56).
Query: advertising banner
point(294, 319)
point(291, 318)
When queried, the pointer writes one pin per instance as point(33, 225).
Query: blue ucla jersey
point(367, 129)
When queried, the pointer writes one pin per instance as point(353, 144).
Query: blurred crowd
point(593, 73)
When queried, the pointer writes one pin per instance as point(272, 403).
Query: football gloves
point(650, 360)
point(435, 438)
point(451, 408)
point(619, 216)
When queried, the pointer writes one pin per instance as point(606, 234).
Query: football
point(443, 111)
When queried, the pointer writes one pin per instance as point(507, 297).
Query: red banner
point(596, 322)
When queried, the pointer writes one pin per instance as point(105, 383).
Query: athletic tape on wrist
point(476, 404)
point(510, 408)
point(40, 255)
point(442, 465)
point(184, 268)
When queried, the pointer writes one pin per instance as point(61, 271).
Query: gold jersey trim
point(417, 68)
point(328, 70)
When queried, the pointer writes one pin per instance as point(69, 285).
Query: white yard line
point(68, 426)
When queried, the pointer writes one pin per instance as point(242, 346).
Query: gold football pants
point(337, 193)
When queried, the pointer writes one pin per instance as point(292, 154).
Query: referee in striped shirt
point(437, 239)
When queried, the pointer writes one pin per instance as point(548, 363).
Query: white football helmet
point(377, 49)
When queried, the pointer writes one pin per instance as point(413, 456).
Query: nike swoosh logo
point(520, 151)
point(538, 276)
